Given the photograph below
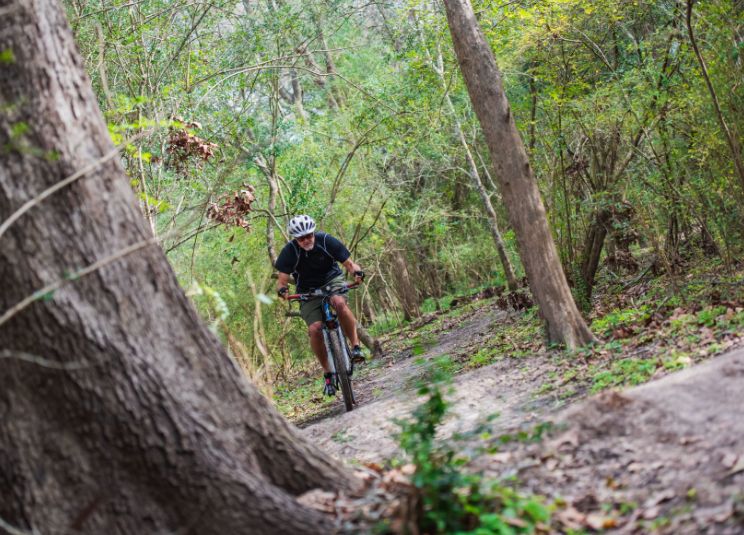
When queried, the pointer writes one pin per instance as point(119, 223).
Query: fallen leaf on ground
point(635, 467)
point(658, 498)
point(501, 457)
point(320, 500)
point(571, 518)
point(598, 521)
point(569, 438)
point(551, 464)
point(729, 459)
point(516, 522)
point(738, 467)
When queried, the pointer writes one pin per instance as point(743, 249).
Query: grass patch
point(302, 399)
point(611, 322)
point(623, 372)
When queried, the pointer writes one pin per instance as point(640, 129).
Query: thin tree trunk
point(297, 94)
point(533, 114)
point(403, 283)
point(271, 207)
point(335, 97)
point(593, 245)
point(493, 223)
point(516, 180)
point(121, 412)
point(733, 143)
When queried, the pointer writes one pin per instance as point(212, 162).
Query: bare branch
point(12, 530)
point(41, 361)
point(61, 184)
point(49, 288)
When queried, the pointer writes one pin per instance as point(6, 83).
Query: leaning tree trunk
point(121, 413)
point(516, 180)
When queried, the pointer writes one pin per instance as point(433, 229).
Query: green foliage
point(604, 94)
point(7, 57)
point(386, 323)
point(452, 500)
point(629, 371)
point(298, 400)
point(606, 324)
point(708, 316)
point(211, 303)
point(483, 357)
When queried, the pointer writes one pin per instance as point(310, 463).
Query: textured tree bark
point(120, 412)
point(516, 181)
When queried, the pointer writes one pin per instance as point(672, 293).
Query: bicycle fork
point(327, 344)
point(344, 358)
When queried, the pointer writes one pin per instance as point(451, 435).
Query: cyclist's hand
point(359, 276)
point(283, 292)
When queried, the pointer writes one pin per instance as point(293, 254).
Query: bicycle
point(337, 349)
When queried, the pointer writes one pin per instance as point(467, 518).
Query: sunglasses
point(306, 237)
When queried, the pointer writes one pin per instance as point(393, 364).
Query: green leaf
point(537, 511)
point(7, 57)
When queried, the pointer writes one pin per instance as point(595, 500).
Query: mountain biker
point(311, 259)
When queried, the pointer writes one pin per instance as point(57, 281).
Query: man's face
point(307, 241)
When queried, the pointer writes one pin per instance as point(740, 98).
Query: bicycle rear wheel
point(336, 350)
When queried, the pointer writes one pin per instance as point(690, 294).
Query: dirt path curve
point(507, 388)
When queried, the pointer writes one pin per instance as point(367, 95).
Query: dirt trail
point(507, 388)
point(665, 457)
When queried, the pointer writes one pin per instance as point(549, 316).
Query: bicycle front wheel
point(336, 350)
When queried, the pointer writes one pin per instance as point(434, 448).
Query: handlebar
point(320, 292)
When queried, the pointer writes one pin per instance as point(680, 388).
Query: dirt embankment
point(667, 456)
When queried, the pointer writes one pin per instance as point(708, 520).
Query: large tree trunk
point(516, 180)
point(120, 412)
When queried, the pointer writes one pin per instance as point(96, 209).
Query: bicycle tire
point(347, 361)
point(336, 353)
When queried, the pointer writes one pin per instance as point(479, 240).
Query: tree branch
point(44, 292)
point(59, 185)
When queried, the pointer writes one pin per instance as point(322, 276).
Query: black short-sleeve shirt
point(312, 269)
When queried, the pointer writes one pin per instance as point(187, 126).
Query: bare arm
point(352, 267)
point(282, 281)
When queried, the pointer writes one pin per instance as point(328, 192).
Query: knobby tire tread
point(336, 351)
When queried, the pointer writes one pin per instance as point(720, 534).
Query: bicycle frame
point(334, 340)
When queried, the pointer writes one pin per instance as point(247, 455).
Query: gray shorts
point(311, 311)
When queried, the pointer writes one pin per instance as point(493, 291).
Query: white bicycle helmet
point(300, 225)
